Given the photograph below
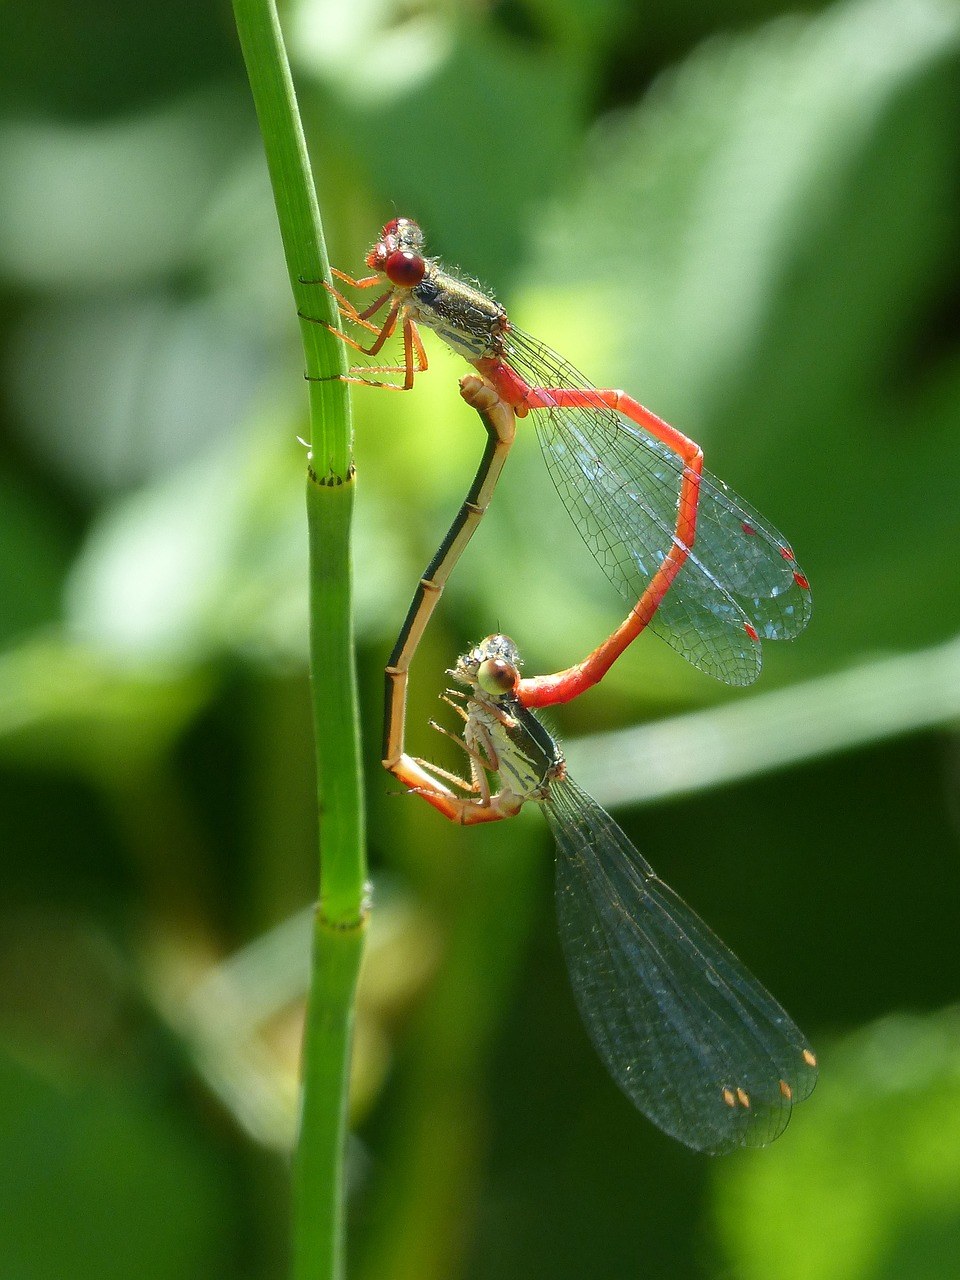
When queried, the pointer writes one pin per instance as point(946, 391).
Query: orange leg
point(414, 352)
point(344, 305)
point(349, 312)
point(414, 356)
point(421, 778)
point(366, 282)
point(412, 344)
point(383, 333)
point(466, 812)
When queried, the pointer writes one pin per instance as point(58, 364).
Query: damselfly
point(703, 569)
point(687, 1032)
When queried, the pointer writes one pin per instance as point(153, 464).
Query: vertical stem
point(338, 935)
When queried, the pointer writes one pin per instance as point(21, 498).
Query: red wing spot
point(729, 1098)
point(801, 582)
point(809, 1058)
point(787, 553)
point(744, 1098)
point(786, 1090)
point(751, 632)
point(748, 528)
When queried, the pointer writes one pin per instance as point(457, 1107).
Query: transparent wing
point(689, 1035)
point(740, 583)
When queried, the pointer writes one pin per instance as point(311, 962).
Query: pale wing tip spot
point(736, 1097)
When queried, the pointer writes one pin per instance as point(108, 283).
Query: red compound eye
point(404, 268)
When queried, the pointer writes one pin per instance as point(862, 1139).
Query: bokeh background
point(747, 215)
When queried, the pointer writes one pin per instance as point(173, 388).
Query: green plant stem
point(338, 935)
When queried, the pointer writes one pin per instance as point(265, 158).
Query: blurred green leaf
point(211, 557)
point(62, 705)
point(173, 379)
point(103, 1181)
point(33, 559)
point(137, 190)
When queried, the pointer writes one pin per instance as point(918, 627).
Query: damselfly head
point(492, 666)
point(399, 253)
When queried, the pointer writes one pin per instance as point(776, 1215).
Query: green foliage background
point(746, 216)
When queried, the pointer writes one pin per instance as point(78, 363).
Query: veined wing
point(740, 583)
point(687, 1032)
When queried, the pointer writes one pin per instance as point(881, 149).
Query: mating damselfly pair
point(686, 1031)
